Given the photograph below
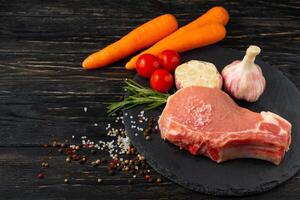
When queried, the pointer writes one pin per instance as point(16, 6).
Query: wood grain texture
point(43, 88)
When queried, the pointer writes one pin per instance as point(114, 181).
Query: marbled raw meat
point(207, 121)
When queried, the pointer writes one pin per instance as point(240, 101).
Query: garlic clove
point(244, 79)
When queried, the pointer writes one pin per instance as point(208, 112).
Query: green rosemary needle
point(138, 95)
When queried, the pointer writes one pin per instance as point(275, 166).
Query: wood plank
point(20, 166)
point(43, 89)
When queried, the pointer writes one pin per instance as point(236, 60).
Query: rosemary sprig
point(138, 95)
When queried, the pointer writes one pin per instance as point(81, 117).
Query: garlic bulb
point(244, 79)
point(197, 73)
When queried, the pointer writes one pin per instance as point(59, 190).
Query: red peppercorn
point(40, 175)
point(75, 157)
point(69, 152)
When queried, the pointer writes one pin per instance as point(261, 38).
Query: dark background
point(43, 88)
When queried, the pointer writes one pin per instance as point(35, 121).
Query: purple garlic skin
point(244, 79)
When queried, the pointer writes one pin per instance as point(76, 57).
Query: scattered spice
point(68, 159)
point(54, 144)
point(158, 180)
point(40, 175)
point(123, 158)
point(45, 164)
point(82, 161)
point(98, 162)
point(99, 180)
point(60, 151)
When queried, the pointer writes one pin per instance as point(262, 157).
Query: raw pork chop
point(207, 121)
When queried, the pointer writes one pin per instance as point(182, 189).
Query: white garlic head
point(244, 79)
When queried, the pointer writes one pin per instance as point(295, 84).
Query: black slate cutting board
point(237, 177)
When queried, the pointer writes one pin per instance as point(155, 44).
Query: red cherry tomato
point(147, 64)
point(169, 60)
point(161, 80)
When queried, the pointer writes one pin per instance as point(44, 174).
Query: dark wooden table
point(43, 89)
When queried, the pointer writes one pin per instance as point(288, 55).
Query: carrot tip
point(129, 66)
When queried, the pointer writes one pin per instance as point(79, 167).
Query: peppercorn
point(99, 180)
point(60, 151)
point(147, 177)
point(158, 180)
point(82, 161)
point(40, 175)
point(75, 157)
point(54, 144)
point(69, 151)
point(141, 158)
point(112, 165)
point(98, 162)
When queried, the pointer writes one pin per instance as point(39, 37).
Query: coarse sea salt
point(117, 142)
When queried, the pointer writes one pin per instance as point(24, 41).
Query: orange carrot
point(195, 38)
point(214, 15)
point(217, 14)
point(141, 37)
